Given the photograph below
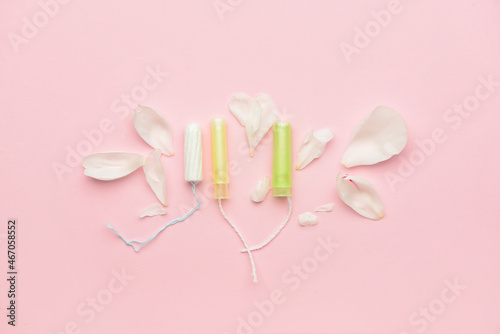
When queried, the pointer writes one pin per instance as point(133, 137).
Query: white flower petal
point(261, 190)
point(379, 136)
point(154, 129)
point(153, 210)
point(308, 219)
point(256, 114)
point(324, 135)
point(308, 138)
point(253, 120)
point(111, 165)
point(240, 104)
point(268, 117)
point(313, 146)
point(325, 207)
point(360, 195)
point(155, 175)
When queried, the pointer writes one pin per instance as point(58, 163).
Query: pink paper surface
point(430, 266)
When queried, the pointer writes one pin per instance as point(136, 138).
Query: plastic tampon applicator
point(221, 176)
point(282, 159)
point(219, 158)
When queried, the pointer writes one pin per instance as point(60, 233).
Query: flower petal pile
point(155, 130)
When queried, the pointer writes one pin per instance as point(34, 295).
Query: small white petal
point(324, 135)
point(379, 136)
point(308, 219)
point(313, 146)
point(256, 114)
point(111, 165)
point(325, 207)
point(261, 190)
point(155, 175)
point(360, 195)
point(154, 129)
point(153, 210)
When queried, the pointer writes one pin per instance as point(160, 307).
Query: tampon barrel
point(219, 158)
point(282, 159)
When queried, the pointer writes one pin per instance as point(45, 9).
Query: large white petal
point(313, 146)
point(380, 136)
point(256, 114)
point(153, 210)
point(155, 175)
point(360, 195)
point(111, 165)
point(154, 129)
point(261, 190)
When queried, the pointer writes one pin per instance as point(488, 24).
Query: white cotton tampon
point(193, 163)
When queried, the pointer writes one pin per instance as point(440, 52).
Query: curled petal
point(155, 175)
point(111, 165)
point(256, 114)
point(313, 146)
point(269, 115)
point(261, 190)
point(379, 136)
point(308, 219)
point(154, 129)
point(325, 207)
point(153, 210)
point(360, 195)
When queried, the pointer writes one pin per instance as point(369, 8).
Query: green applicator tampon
point(282, 159)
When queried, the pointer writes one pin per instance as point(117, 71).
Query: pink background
point(441, 222)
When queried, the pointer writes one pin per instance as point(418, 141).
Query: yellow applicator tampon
point(282, 159)
point(221, 176)
point(219, 158)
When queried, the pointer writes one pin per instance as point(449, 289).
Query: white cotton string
point(143, 243)
point(275, 232)
point(254, 274)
